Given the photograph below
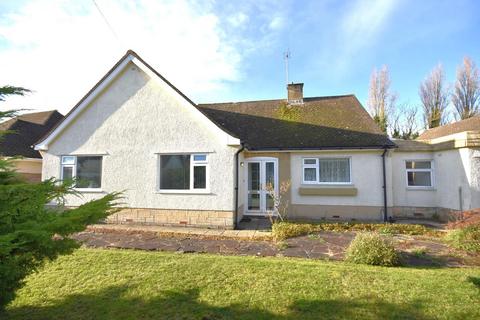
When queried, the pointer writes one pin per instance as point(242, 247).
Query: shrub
point(284, 230)
point(370, 248)
point(467, 238)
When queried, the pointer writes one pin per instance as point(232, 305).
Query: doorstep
point(183, 232)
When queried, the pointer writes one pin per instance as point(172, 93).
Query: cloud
point(238, 20)
point(60, 49)
point(277, 23)
point(360, 27)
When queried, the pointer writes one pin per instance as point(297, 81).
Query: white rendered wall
point(132, 121)
point(366, 175)
point(453, 169)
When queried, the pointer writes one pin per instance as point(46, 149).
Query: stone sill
point(328, 191)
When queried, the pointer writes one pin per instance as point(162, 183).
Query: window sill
point(204, 192)
point(328, 191)
point(326, 185)
point(421, 189)
point(88, 190)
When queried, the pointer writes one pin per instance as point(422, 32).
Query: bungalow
point(180, 163)
point(25, 130)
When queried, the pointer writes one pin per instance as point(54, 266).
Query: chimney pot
point(295, 93)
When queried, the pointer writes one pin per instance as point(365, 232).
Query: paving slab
point(321, 245)
point(181, 231)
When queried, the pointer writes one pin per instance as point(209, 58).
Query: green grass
point(123, 284)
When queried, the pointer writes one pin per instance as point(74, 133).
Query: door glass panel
point(270, 175)
point(253, 176)
point(254, 201)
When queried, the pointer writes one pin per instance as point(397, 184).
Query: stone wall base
point(432, 213)
point(335, 213)
point(173, 217)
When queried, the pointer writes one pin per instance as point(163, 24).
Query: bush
point(284, 230)
point(371, 248)
point(464, 219)
point(467, 239)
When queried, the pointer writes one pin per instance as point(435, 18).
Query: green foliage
point(30, 231)
point(11, 90)
point(8, 175)
point(373, 249)
point(467, 238)
point(284, 230)
point(381, 121)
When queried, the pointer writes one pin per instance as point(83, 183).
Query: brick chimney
point(295, 93)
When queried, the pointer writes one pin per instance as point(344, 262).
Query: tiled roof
point(27, 129)
point(469, 124)
point(336, 122)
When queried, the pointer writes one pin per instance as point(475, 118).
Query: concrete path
point(321, 245)
point(183, 231)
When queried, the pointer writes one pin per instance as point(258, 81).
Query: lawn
point(124, 284)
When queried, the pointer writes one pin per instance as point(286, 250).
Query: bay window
point(183, 172)
point(326, 171)
point(86, 170)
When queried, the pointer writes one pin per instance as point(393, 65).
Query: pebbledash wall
point(456, 183)
point(120, 125)
point(362, 199)
point(456, 174)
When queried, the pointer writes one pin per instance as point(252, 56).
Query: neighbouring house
point(25, 130)
point(180, 163)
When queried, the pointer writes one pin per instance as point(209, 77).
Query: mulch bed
point(322, 245)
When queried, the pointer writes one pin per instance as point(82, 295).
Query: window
point(419, 173)
point(183, 172)
point(310, 170)
point(87, 171)
point(326, 171)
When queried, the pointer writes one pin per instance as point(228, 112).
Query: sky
point(222, 50)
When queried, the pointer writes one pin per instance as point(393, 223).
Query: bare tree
point(381, 100)
point(434, 96)
point(466, 96)
point(404, 124)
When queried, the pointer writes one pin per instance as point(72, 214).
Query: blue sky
point(233, 50)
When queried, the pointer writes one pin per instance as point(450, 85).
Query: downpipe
point(385, 214)
point(237, 154)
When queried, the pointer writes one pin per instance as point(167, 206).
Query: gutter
point(385, 215)
point(235, 215)
point(323, 148)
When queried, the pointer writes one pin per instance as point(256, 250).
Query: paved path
point(183, 231)
point(322, 245)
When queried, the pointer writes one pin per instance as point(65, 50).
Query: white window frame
point(310, 166)
point(317, 167)
point(193, 163)
point(431, 170)
point(74, 170)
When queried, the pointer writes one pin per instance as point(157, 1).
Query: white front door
point(261, 173)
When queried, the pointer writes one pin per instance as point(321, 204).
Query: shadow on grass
point(475, 281)
point(118, 303)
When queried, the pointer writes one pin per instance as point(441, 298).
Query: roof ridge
point(274, 100)
point(449, 125)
